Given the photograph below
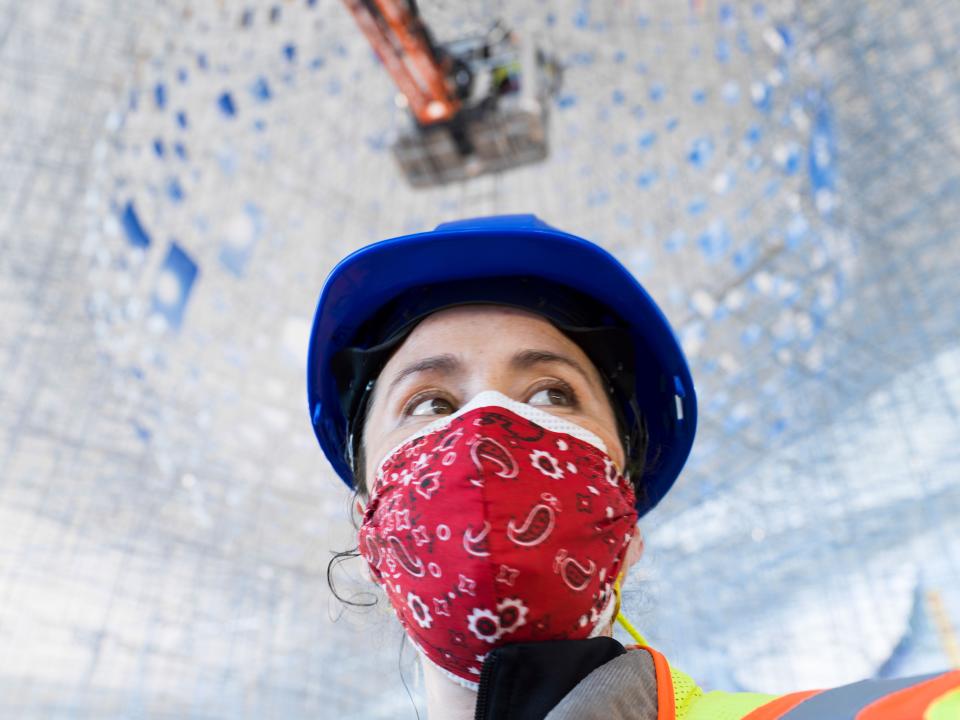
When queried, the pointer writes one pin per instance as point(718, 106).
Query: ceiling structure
point(178, 179)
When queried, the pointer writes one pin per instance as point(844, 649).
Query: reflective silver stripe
point(844, 702)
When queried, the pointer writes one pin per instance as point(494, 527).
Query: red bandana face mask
point(498, 524)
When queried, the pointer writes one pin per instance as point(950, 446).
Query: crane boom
point(394, 30)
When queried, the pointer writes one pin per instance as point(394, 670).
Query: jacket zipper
point(483, 694)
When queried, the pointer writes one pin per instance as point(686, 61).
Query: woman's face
point(456, 353)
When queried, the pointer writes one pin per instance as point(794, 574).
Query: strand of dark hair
point(338, 557)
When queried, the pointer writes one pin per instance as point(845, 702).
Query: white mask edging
point(494, 398)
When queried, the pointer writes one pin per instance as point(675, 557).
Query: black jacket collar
point(525, 681)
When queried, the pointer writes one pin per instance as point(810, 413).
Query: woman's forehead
point(487, 333)
point(484, 312)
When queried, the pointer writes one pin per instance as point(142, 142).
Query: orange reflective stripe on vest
point(776, 709)
point(912, 702)
point(666, 709)
point(848, 701)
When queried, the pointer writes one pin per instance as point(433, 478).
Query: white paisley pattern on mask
point(500, 523)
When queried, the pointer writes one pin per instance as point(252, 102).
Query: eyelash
point(421, 396)
point(544, 385)
point(561, 385)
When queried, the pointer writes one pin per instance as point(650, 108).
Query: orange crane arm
point(391, 29)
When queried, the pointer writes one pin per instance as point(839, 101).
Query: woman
point(506, 401)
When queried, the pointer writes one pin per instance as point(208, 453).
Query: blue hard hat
point(470, 259)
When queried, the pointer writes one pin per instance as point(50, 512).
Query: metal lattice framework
point(179, 178)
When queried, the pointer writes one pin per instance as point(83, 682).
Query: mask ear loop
point(622, 619)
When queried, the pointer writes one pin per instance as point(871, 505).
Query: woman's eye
point(551, 396)
point(432, 406)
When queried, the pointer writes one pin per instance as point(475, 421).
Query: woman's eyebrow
point(446, 364)
point(526, 359)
